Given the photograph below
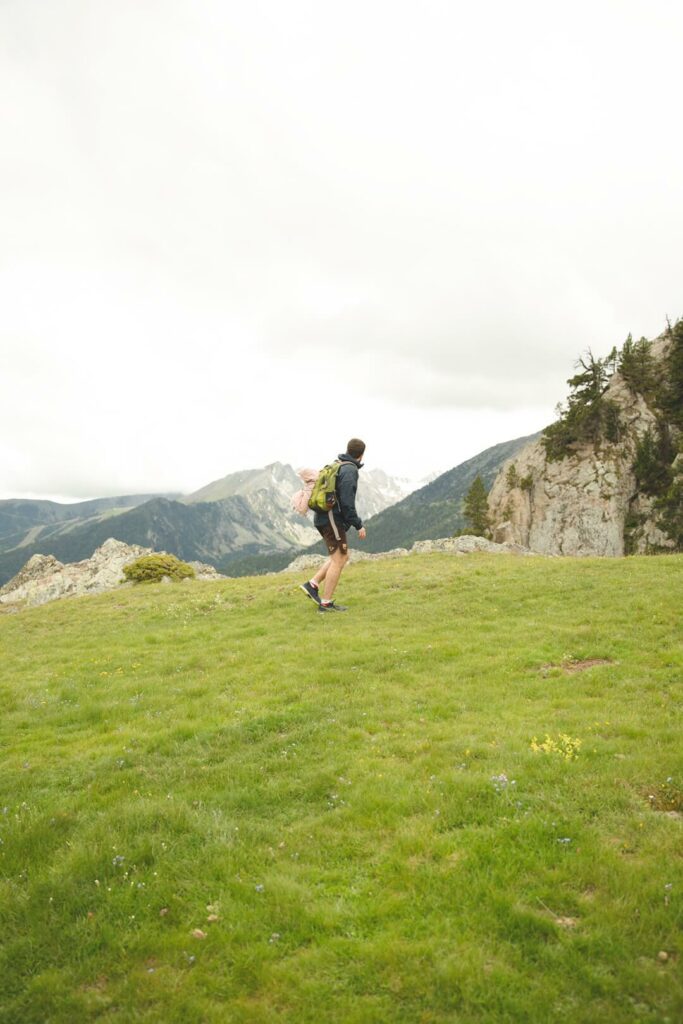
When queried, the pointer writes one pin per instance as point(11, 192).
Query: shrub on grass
point(152, 568)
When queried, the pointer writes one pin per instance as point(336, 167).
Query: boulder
point(206, 572)
point(467, 545)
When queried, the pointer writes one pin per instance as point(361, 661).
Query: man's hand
point(361, 533)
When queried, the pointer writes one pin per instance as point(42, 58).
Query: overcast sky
point(235, 233)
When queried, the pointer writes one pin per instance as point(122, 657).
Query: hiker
point(333, 529)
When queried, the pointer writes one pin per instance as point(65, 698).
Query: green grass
point(330, 787)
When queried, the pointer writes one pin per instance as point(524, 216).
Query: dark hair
point(355, 448)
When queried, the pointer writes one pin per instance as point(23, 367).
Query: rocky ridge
point(465, 545)
point(44, 578)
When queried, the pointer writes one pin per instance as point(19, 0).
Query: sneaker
point(332, 607)
point(310, 591)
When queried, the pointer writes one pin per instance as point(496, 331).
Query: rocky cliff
point(589, 502)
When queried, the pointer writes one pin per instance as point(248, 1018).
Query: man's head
point(355, 448)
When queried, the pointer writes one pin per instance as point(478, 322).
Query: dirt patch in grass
point(581, 666)
point(571, 665)
point(561, 920)
point(667, 797)
point(98, 985)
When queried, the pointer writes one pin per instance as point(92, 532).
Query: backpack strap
point(333, 524)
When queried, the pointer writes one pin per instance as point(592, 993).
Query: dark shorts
point(327, 534)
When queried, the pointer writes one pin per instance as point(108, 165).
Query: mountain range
point(242, 523)
point(243, 515)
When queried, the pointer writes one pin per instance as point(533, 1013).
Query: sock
point(313, 584)
point(325, 602)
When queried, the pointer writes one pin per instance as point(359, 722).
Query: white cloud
point(239, 233)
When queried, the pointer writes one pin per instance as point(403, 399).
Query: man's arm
point(347, 484)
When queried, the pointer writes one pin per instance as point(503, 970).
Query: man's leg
point(312, 587)
point(321, 573)
point(330, 571)
point(336, 563)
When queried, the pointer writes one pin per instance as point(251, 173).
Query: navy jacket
point(347, 483)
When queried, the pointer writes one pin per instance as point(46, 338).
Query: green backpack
point(324, 494)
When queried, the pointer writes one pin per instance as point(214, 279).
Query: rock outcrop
point(206, 572)
point(465, 545)
point(44, 579)
point(579, 505)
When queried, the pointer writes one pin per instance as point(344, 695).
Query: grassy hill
point(460, 801)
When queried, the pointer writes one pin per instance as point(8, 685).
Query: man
point(345, 516)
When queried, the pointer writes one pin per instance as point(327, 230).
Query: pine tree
point(671, 507)
point(673, 389)
point(637, 365)
point(653, 463)
point(589, 417)
point(476, 509)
